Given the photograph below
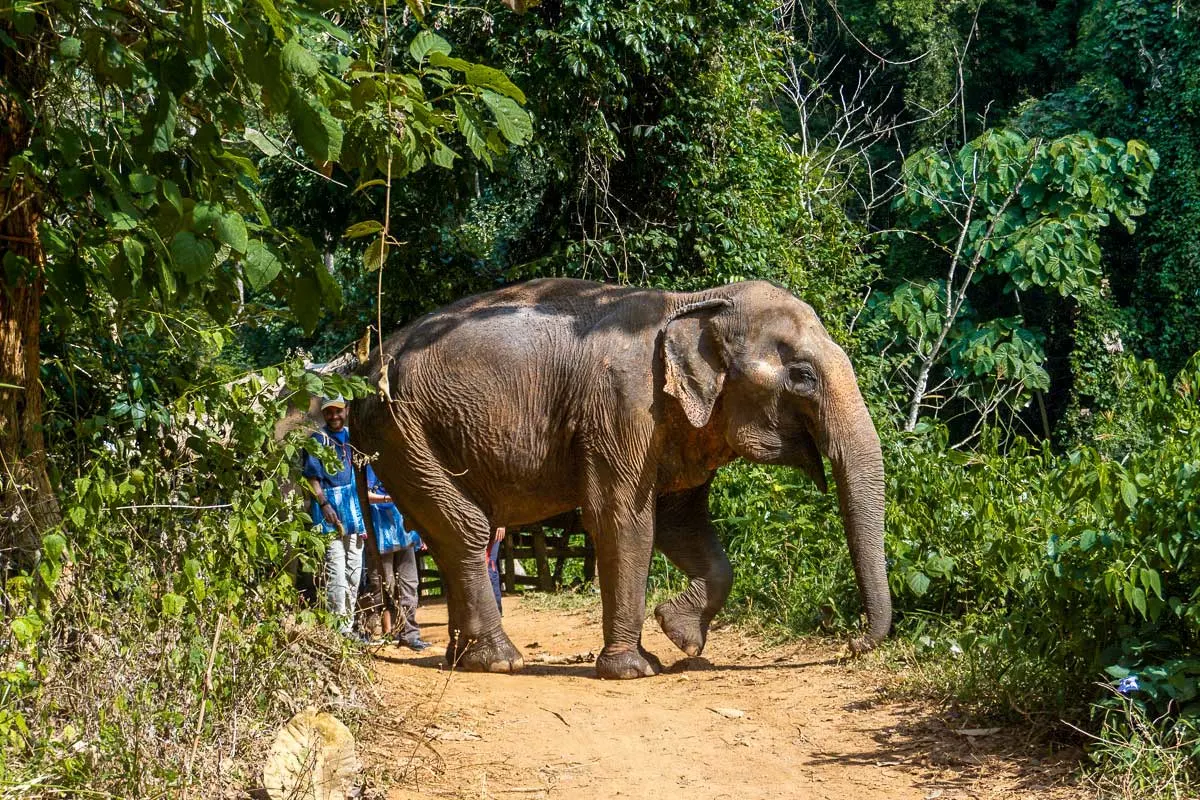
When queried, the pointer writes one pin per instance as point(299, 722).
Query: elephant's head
point(756, 363)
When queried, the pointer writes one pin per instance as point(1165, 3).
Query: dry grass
point(139, 707)
point(1146, 758)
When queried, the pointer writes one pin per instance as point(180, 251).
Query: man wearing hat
point(336, 510)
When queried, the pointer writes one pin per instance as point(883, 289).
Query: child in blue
point(397, 547)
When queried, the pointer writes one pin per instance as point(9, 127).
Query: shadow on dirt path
point(746, 721)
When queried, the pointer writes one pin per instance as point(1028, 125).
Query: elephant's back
point(499, 386)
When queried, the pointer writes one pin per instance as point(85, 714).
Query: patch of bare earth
point(746, 721)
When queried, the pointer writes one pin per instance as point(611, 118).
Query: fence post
point(545, 578)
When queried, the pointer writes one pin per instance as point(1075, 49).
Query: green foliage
point(160, 202)
point(1079, 561)
point(1012, 215)
point(178, 514)
point(1154, 98)
point(658, 157)
point(777, 528)
point(1140, 757)
point(1033, 209)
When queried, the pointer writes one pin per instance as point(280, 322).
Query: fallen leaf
point(729, 713)
point(977, 731)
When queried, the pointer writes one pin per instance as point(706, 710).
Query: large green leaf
point(443, 156)
point(231, 229)
point(513, 120)
point(297, 60)
point(375, 255)
point(427, 42)
point(468, 126)
point(161, 123)
point(205, 216)
point(192, 255)
point(364, 228)
point(319, 133)
point(260, 265)
point(439, 59)
point(483, 76)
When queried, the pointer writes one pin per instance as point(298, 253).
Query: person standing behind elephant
point(492, 554)
point(397, 567)
point(335, 509)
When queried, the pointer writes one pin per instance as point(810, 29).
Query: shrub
point(160, 636)
point(1038, 578)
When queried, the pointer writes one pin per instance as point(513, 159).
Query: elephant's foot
point(494, 653)
point(684, 628)
point(622, 662)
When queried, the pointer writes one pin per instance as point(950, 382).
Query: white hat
point(333, 402)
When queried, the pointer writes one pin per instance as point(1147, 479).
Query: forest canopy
point(992, 204)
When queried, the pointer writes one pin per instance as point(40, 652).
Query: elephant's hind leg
point(684, 533)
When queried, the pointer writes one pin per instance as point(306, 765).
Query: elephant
point(511, 406)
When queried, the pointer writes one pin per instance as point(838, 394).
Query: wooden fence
point(548, 544)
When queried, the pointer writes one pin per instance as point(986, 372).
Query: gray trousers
point(399, 578)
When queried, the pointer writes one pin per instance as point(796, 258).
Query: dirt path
point(747, 721)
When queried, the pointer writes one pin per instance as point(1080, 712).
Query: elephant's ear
point(694, 363)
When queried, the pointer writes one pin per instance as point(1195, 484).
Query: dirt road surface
point(746, 721)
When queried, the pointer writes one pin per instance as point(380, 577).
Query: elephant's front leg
point(624, 541)
point(684, 533)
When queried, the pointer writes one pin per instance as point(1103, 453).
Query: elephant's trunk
point(857, 461)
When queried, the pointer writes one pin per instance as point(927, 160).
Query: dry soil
point(746, 721)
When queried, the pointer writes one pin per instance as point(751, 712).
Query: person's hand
point(329, 514)
point(500, 534)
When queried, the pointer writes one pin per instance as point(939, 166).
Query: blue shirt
point(338, 487)
point(340, 441)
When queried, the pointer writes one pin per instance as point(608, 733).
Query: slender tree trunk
point(27, 501)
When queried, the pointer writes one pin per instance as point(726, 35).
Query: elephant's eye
point(803, 378)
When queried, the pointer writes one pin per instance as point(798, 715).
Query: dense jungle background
point(993, 205)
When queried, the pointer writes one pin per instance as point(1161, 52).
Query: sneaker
point(417, 644)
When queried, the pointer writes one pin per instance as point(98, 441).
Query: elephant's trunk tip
point(861, 645)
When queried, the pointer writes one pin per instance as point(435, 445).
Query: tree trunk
point(27, 502)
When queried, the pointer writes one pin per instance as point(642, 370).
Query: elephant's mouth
point(808, 458)
point(789, 447)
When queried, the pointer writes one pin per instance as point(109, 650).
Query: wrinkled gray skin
point(509, 407)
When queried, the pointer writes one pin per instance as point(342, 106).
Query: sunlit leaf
point(513, 121)
point(427, 42)
point(260, 265)
point(364, 228)
point(263, 142)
